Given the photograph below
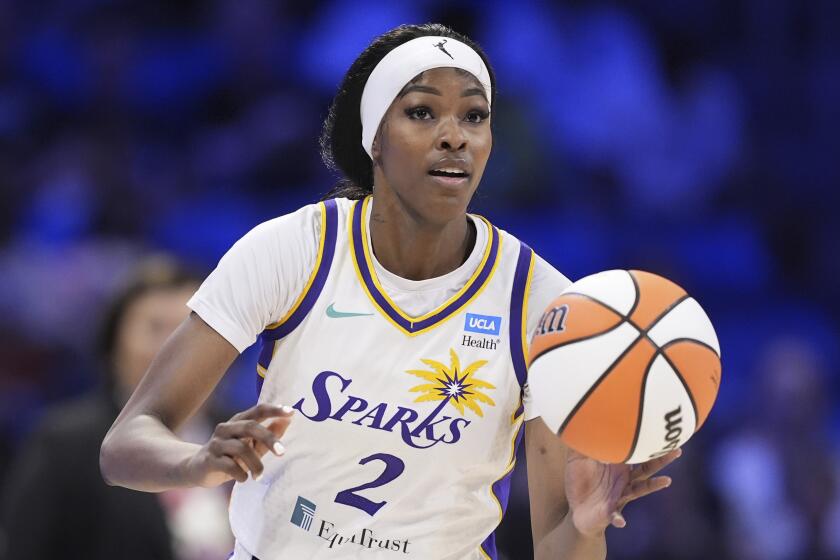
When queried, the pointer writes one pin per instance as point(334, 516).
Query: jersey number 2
point(394, 466)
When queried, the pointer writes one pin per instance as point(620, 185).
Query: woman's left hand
point(597, 492)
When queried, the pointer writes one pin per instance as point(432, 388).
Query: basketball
point(624, 366)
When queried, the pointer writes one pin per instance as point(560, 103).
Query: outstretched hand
point(597, 492)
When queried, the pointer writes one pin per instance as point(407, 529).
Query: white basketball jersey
point(405, 429)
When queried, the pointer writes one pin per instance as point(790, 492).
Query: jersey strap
point(519, 316)
point(409, 325)
point(310, 293)
point(519, 311)
point(500, 489)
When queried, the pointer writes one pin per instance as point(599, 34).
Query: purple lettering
point(429, 427)
point(455, 431)
point(375, 414)
point(322, 396)
point(349, 407)
point(403, 416)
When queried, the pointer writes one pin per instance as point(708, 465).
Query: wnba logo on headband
point(441, 47)
point(402, 64)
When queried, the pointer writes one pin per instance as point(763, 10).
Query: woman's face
point(146, 324)
point(440, 122)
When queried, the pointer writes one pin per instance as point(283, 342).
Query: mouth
point(450, 176)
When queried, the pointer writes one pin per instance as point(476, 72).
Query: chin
point(446, 205)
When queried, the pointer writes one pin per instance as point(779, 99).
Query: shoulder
point(545, 281)
point(544, 276)
point(291, 237)
point(260, 277)
point(305, 220)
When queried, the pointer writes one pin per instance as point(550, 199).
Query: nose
point(451, 137)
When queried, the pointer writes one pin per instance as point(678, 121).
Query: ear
point(376, 147)
point(375, 150)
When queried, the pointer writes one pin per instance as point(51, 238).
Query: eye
point(477, 116)
point(419, 113)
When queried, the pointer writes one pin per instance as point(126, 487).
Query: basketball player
point(393, 328)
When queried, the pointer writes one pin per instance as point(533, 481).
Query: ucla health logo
point(303, 513)
point(483, 324)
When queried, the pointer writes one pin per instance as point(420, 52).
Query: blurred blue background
point(696, 139)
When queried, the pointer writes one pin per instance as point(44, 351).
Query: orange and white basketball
point(624, 366)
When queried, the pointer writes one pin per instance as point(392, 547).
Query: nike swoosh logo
point(332, 313)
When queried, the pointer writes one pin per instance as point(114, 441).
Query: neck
point(414, 248)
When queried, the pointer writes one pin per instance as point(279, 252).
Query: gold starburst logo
point(460, 388)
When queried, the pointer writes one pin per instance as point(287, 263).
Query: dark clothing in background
point(56, 505)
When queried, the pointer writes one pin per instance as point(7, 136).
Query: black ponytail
point(341, 136)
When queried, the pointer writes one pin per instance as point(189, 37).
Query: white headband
point(402, 64)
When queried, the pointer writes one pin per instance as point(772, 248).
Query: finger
point(279, 426)
point(258, 436)
point(230, 467)
point(650, 468)
point(263, 411)
point(242, 453)
point(247, 458)
point(618, 520)
point(641, 488)
point(241, 464)
point(260, 447)
point(277, 448)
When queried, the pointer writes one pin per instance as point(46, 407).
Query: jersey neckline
point(457, 277)
point(365, 270)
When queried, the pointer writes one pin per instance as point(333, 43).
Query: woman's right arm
point(142, 452)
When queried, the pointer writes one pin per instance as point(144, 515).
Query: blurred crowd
point(695, 139)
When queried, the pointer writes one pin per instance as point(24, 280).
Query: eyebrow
point(434, 91)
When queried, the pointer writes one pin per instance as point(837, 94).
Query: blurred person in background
point(778, 475)
point(55, 504)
